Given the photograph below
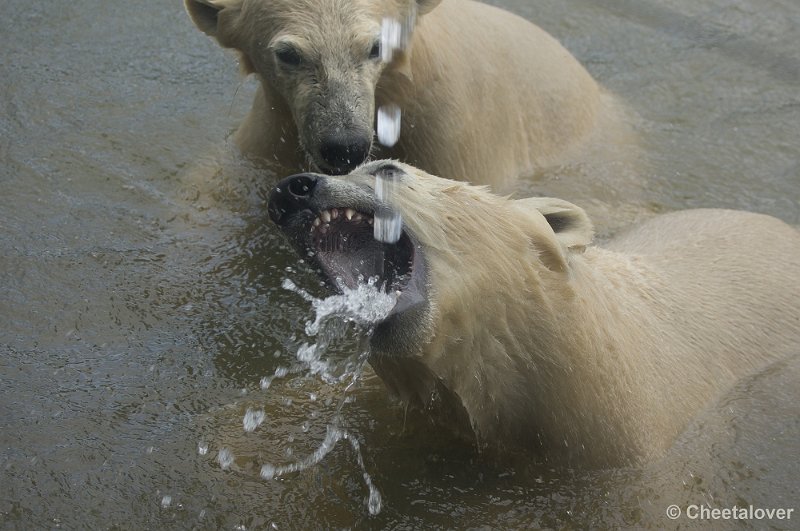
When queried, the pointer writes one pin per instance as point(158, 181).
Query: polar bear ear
point(206, 15)
point(571, 226)
point(424, 6)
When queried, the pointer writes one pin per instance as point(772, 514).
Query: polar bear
point(486, 96)
point(509, 322)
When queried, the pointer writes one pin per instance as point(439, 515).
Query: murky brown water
point(141, 307)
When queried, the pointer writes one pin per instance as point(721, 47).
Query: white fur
point(486, 95)
point(588, 354)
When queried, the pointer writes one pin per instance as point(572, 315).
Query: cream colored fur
point(591, 355)
point(486, 95)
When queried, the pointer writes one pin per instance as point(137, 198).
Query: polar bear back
point(740, 270)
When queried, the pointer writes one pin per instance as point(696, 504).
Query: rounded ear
point(423, 6)
point(569, 224)
point(206, 16)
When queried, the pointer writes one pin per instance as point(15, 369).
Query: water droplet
point(202, 448)
point(396, 34)
point(267, 472)
point(374, 502)
point(391, 35)
point(166, 501)
point(253, 419)
point(388, 124)
point(225, 458)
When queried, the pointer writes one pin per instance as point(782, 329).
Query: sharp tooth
point(348, 213)
point(324, 229)
point(334, 213)
point(356, 217)
point(326, 216)
point(370, 221)
point(317, 222)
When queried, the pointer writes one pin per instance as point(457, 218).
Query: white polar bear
point(510, 322)
point(486, 96)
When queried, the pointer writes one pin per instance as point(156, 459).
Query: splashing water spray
point(363, 306)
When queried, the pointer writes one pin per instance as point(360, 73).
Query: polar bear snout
point(291, 195)
point(341, 153)
point(330, 223)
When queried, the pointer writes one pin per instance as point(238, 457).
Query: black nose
point(291, 195)
point(343, 152)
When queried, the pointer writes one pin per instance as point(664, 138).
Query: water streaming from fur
point(388, 225)
point(361, 307)
point(395, 36)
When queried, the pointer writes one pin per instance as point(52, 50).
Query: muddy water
point(141, 294)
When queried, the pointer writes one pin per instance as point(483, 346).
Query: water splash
point(333, 435)
point(362, 307)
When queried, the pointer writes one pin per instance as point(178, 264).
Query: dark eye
point(375, 51)
point(387, 170)
point(289, 56)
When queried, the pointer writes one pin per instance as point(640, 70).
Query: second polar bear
point(486, 96)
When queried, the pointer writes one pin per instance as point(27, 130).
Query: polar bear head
point(321, 58)
point(477, 276)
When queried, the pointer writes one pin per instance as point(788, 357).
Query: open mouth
point(331, 221)
point(342, 243)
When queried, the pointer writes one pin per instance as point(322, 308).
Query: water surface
point(141, 294)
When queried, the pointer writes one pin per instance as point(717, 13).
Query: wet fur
point(486, 95)
point(588, 355)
